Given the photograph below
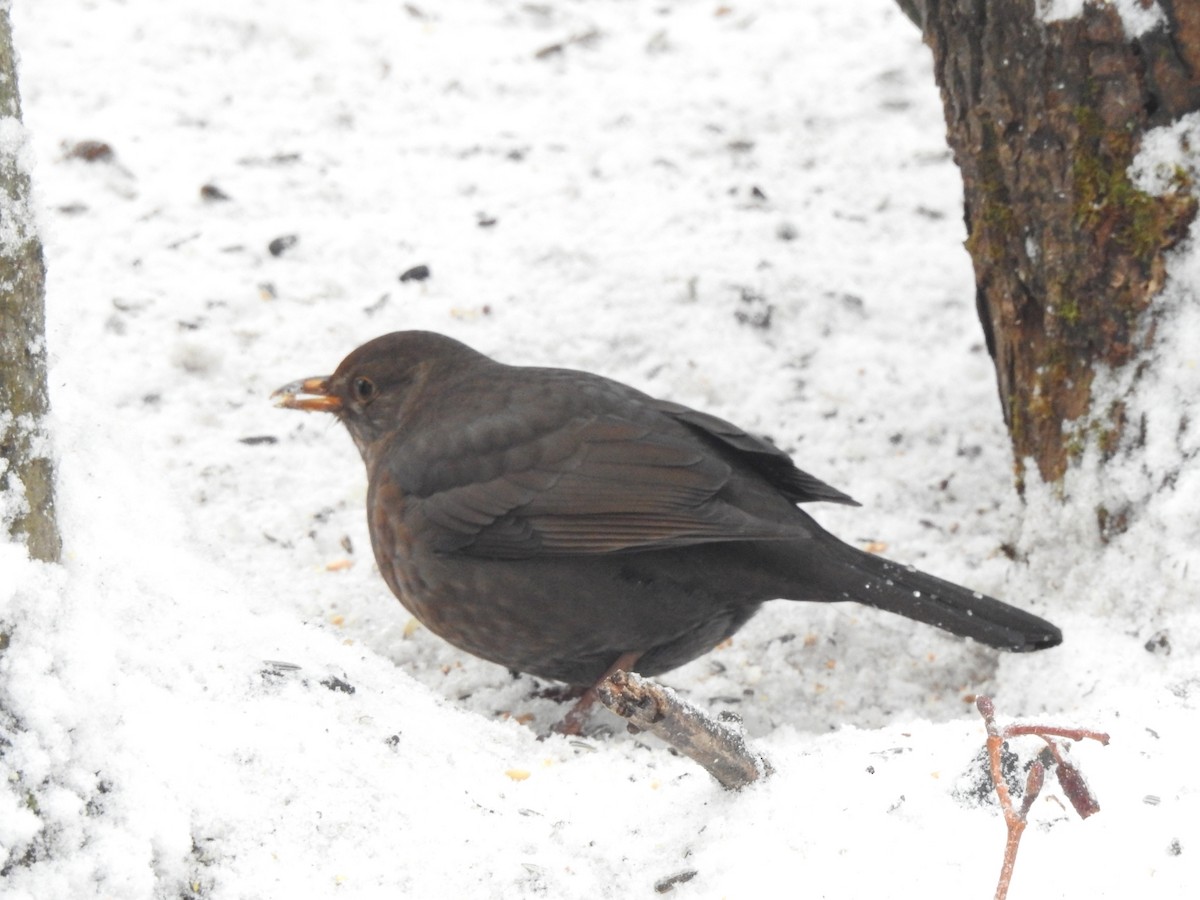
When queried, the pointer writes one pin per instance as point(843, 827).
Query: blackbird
point(557, 522)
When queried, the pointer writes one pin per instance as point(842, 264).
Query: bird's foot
point(572, 723)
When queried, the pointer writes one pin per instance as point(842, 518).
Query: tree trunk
point(1044, 120)
point(26, 471)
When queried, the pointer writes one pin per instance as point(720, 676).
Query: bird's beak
point(310, 394)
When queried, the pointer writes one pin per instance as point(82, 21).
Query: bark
point(26, 470)
point(1044, 120)
point(648, 706)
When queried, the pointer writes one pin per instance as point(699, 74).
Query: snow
point(173, 693)
point(1138, 16)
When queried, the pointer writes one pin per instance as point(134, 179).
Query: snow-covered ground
point(749, 209)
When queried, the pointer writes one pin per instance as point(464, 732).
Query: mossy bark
point(26, 470)
point(1044, 120)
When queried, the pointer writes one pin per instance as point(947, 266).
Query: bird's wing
point(771, 462)
point(600, 483)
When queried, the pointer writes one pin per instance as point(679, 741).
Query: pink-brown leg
point(572, 723)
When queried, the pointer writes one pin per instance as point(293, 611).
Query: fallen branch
point(714, 745)
point(1069, 778)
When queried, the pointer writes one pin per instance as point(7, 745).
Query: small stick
point(1069, 777)
point(1071, 734)
point(651, 707)
point(1014, 822)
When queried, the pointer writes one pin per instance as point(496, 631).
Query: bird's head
point(374, 387)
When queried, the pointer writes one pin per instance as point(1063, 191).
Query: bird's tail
point(875, 581)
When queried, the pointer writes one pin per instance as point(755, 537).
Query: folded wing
point(599, 484)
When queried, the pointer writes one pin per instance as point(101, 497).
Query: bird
point(564, 524)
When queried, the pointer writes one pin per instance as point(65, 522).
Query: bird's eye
point(364, 389)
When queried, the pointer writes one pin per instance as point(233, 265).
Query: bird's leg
point(572, 723)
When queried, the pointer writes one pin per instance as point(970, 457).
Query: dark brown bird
point(555, 522)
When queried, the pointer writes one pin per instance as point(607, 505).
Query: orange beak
point(309, 394)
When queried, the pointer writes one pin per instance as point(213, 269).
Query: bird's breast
point(392, 541)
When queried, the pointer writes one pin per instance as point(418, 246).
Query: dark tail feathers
point(925, 598)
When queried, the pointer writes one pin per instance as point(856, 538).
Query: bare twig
point(651, 707)
point(1045, 732)
point(1069, 777)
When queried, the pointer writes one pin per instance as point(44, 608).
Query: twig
point(651, 707)
point(1069, 778)
point(1072, 734)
